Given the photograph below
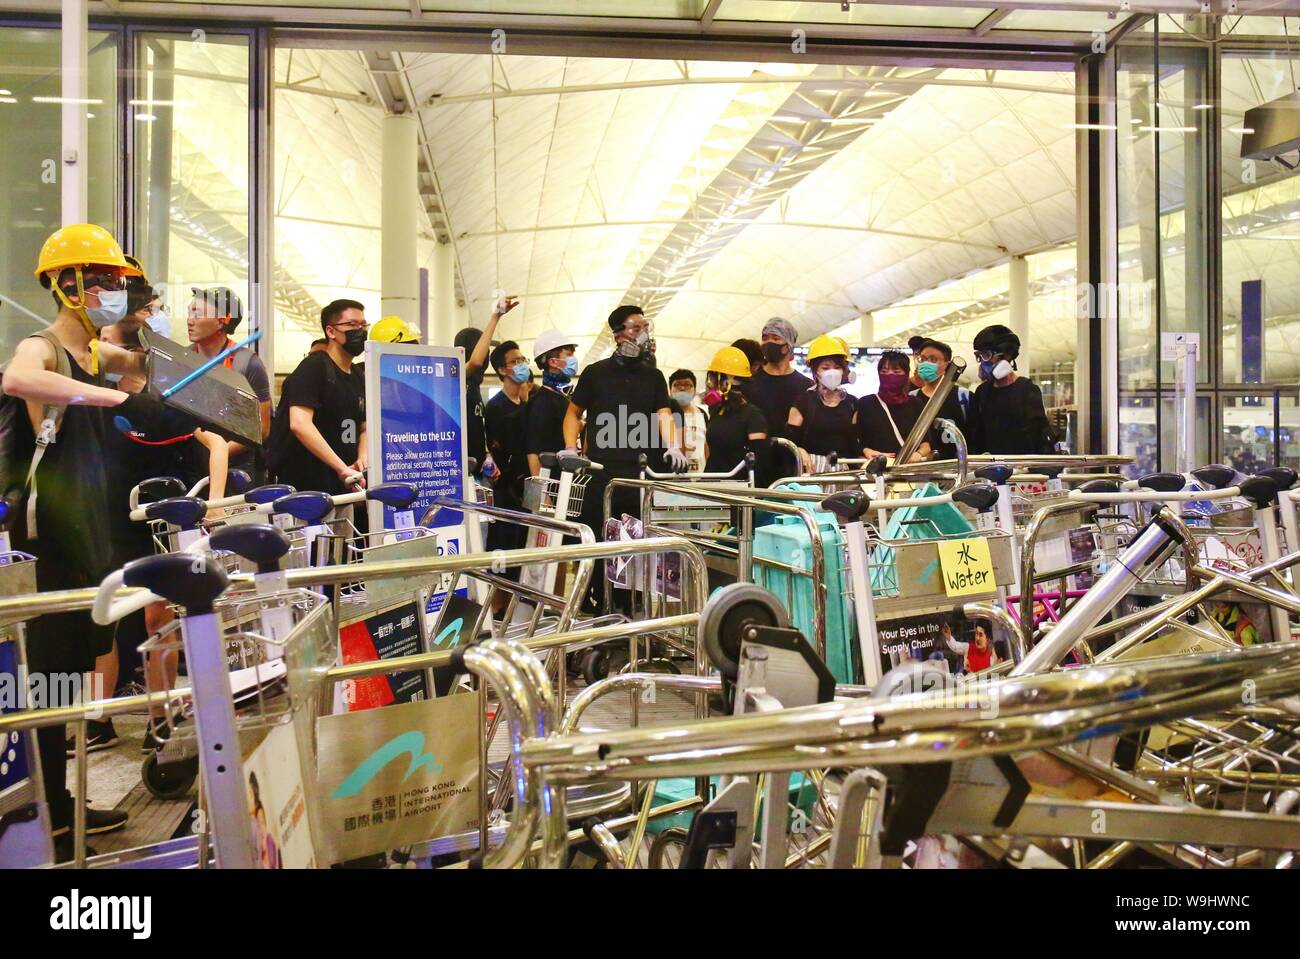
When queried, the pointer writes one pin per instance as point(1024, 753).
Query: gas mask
point(991, 370)
point(639, 347)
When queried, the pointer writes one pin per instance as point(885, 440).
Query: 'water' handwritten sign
point(967, 566)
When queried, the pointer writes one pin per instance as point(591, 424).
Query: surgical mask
point(520, 372)
point(571, 366)
point(831, 379)
point(684, 397)
point(113, 377)
point(355, 343)
point(111, 309)
point(928, 371)
point(773, 352)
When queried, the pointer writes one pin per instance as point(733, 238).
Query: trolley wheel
point(667, 848)
point(169, 780)
point(601, 662)
point(726, 616)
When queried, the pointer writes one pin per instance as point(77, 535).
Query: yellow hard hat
point(393, 329)
point(134, 267)
point(730, 361)
point(826, 345)
point(80, 245)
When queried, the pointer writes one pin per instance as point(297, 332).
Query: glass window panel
point(1052, 20)
point(675, 9)
point(1137, 432)
point(190, 121)
point(1261, 234)
point(1254, 431)
point(31, 199)
point(1159, 196)
point(859, 13)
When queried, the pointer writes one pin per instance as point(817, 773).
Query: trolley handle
point(1153, 496)
point(572, 462)
point(109, 608)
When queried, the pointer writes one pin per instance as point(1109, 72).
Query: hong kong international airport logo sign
point(396, 775)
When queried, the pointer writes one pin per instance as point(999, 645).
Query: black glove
point(143, 411)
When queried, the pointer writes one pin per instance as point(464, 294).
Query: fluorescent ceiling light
point(90, 101)
point(8, 100)
point(1241, 130)
point(1092, 126)
point(146, 117)
point(1169, 129)
point(159, 103)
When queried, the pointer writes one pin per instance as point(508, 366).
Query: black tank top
point(828, 429)
point(72, 518)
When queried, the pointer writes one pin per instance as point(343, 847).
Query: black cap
point(997, 339)
point(915, 343)
point(223, 301)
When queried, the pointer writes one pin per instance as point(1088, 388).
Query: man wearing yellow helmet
point(59, 454)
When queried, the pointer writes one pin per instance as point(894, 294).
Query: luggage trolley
point(24, 817)
point(558, 491)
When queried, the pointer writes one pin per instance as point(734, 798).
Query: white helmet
point(551, 340)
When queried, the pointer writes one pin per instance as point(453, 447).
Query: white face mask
point(1002, 370)
point(831, 379)
point(111, 309)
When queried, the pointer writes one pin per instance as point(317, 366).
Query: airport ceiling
point(718, 192)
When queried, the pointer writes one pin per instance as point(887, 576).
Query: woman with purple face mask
point(887, 416)
point(824, 418)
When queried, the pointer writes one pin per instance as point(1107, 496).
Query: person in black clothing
point(824, 419)
point(887, 416)
point(549, 403)
point(505, 418)
point(625, 401)
point(736, 426)
point(753, 353)
point(933, 358)
point(318, 436)
point(62, 518)
point(777, 386)
point(1007, 414)
point(476, 343)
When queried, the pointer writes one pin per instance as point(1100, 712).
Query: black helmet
point(997, 339)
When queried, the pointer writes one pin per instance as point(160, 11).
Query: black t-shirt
point(828, 429)
point(339, 401)
point(622, 402)
point(953, 408)
point(1009, 419)
point(546, 409)
point(505, 423)
point(475, 434)
point(728, 435)
point(775, 396)
point(874, 430)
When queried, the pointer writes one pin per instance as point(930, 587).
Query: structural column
point(442, 296)
point(1018, 308)
point(399, 275)
point(866, 329)
point(75, 91)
